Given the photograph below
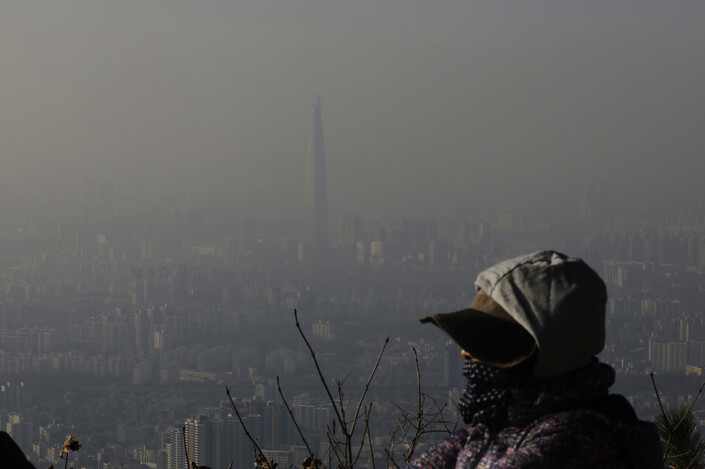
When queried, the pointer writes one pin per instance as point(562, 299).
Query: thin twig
point(427, 418)
point(653, 381)
point(183, 433)
point(293, 419)
point(340, 408)
point(390, 458)
point(439, 413)
point(692, 404)
point(665, 417)
point(392, 444)
point(334, 445)
point(420, 409)
point(244, 427)
point(318, 369)
point(347, 435)
point(342, 381)
point(367, 385)
point(369, 436)
point(405, 436)
point(365, 430)
point(418, 377)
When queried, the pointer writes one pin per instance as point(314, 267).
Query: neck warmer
point(486, 387)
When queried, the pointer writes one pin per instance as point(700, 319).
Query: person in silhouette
point(536, 395)
point(11, 456)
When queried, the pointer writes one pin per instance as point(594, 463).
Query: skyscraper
point(315, 190)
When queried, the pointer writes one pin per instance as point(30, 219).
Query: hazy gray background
point(426, 104)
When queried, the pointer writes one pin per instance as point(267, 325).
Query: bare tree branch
point(367, 385)
point(183, 433)
point(293, 419)
point(658, 397)
point(318, 369)
point(334, 444)
point(244, 427)
point(426, 418)
point(369, 436)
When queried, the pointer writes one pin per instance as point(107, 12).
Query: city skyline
point(428, 110)
point(168, 201)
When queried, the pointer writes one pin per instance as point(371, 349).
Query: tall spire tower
point(315, 190)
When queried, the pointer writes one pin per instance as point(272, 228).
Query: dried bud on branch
point(70, 444)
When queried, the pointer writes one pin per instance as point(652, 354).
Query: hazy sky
point(425, 103)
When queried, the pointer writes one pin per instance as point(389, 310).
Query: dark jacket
point(567, 422)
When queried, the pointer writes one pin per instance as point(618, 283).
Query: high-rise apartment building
point(174, 446)
point(668, 356)
point(203, 440)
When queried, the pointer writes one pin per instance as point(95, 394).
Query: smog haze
point(428, 107)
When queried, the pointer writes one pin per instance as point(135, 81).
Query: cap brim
point(491, 340)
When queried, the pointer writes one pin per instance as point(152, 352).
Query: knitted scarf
point(486, 387)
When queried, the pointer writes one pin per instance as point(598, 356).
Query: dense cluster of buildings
point(206, 315)
point(122, 323)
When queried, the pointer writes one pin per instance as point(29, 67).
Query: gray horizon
point(427, 107)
